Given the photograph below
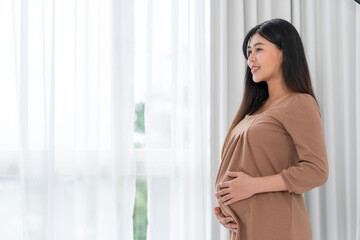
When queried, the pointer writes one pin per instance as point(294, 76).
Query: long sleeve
point(303, 123)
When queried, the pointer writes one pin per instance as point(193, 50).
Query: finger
point(217, 210)
point(231, 225)
point(222, 192)
point(222, 219)
point(224, 184)
point(219, 216)
point(230, 201)
point(225, 198)
point(227, 220)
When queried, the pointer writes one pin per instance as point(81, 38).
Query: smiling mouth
point(255, 69)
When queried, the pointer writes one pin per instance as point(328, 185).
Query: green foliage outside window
point(140, 210)
point(139, 121)
point(140, 216)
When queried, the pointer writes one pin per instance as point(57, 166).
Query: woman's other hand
point(241, 187)
point(227, 222)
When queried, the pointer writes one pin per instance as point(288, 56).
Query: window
point(140, 209)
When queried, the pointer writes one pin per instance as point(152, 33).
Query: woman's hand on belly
point(240, 188)
point(227, 222)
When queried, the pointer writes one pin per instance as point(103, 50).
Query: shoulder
point(301, 99)
point(301, 105)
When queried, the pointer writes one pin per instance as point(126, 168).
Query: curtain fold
point(176, 121)
point(357, 127)
point(122, 104)
point(67, 168)
point(219, 100)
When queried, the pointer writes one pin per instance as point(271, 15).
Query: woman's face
point(264, 59)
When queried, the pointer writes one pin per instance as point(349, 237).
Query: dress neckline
point(259, 114)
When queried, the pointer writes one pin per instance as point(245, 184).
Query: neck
point(277, 89)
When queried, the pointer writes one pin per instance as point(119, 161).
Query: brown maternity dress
point(286, 139)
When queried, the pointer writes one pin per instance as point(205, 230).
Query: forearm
point(272, 183)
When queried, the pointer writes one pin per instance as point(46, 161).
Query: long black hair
point(295, 69)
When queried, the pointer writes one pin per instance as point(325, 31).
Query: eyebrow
point(259, 43)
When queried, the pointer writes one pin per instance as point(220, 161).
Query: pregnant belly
point(238, 210)
point(260, 207)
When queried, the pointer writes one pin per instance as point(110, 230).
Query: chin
point(257, 80)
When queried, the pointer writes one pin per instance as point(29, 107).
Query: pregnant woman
point(274, 150)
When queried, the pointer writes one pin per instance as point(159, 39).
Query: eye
point(258, 49)
point(249, 52)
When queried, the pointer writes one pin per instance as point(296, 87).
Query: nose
point(251, 59)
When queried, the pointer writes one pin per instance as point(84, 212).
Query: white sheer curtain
point(176, 120)
point(330, 31)
point(67, 115)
